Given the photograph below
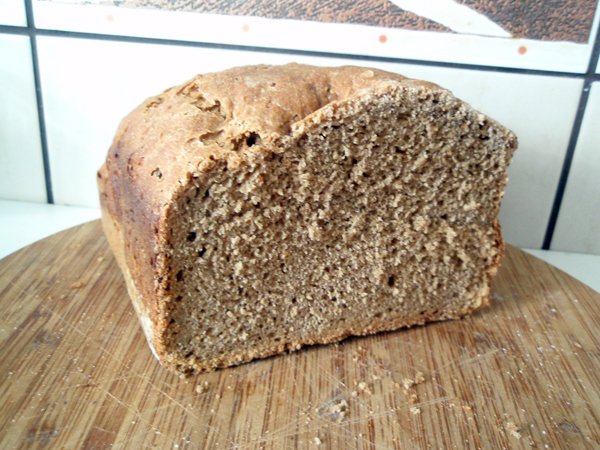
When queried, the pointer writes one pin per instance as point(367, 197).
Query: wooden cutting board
point(76, 371)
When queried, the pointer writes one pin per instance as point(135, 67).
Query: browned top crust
point(218, 114)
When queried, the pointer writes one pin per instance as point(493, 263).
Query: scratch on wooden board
point(149, 381)
point(479, 357)
point(104, 430)
point(100, 384)
point(392, 374)
point(273, 435)
point(178, 404)
point(332, 377)
point(345, 393)
point(135, 411)
point(127, 445)
point(341, 430)
point(81, 333)
point(394, 411)
point(287, 430)
point(173, 402)
point(22, 290)
point(322, 420)
point(90, 382)
point(337, 383)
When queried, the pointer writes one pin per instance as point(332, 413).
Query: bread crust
point(185, 133)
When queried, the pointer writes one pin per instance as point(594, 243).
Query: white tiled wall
point(21, 167)
point(12, 12)
point(578, 226)
point(84, 105)
point(338, 38)
point(88, 85)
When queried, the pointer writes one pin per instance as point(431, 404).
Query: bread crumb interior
point(382, 216)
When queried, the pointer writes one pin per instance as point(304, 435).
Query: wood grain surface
point(76, 371)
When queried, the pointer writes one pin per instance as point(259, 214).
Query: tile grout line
point(590, 77)
point(287, 51)
point(30, 31)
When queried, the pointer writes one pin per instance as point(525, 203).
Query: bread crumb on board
point(408, 383)
point(414, 410)
point(77, 284)
point(317, 440)
point(339, 410)
point(202, 388)
point(413, 398)
point(363, 387)
point(512, 429)
point(335, 411)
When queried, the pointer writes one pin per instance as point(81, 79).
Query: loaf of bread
point(264, 208)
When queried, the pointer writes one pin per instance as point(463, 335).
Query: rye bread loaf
point(264, 208)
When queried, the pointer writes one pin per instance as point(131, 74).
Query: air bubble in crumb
point(202, 388)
